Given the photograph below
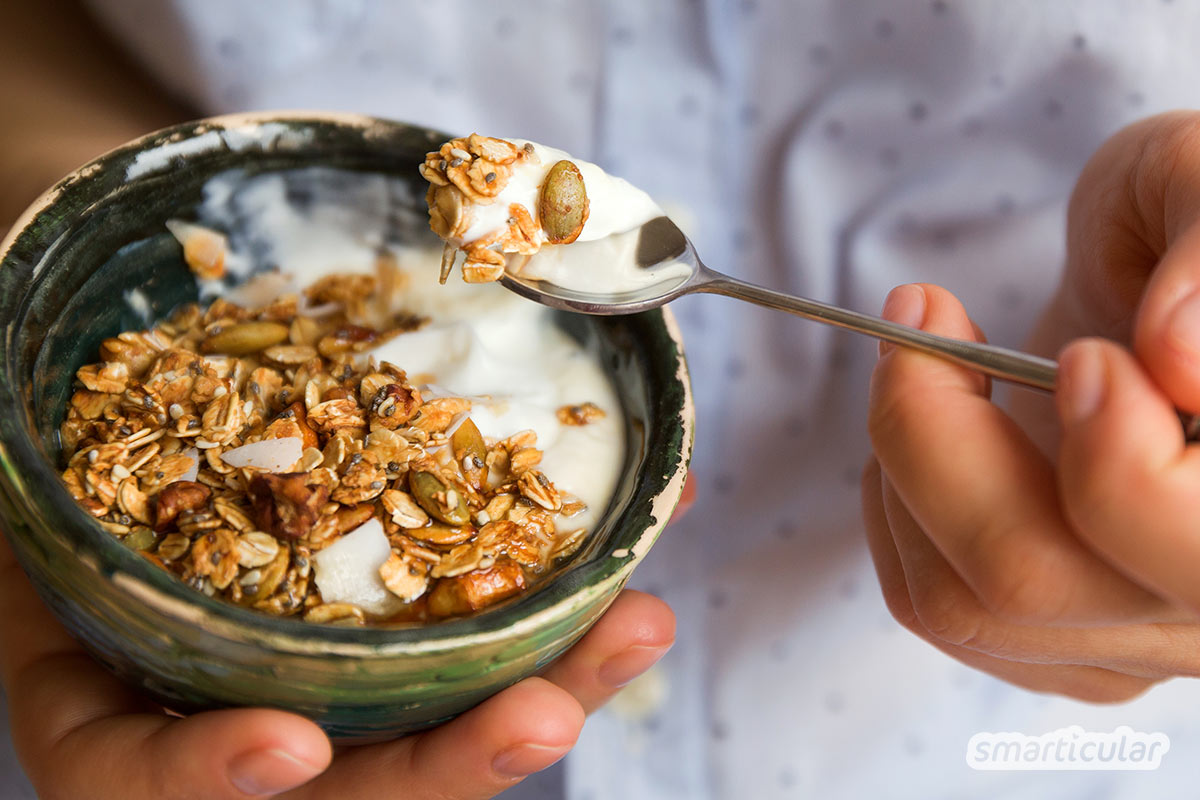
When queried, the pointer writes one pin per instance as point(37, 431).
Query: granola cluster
point(462, 174)
point(465, 174)
point(230, 445)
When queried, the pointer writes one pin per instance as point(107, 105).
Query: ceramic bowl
point(66, 266)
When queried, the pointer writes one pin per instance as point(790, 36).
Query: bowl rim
point(604, 571)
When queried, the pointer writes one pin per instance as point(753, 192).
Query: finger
point(1128, 482)
point(521, 730)
point(80, 732)
point(949, 611)
point(636, 631)
point(220, 754)
point(1134, 242)
point(1167, 331)
point(980, 488)
point(28, 631)
point(1083, 682)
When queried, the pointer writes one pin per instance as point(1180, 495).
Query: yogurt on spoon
point(511, 205)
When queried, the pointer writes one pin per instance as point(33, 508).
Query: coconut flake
point(194, 469)
point(347, 571)
point(272, 455)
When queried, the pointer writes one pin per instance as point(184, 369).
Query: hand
point(1072, 575)
point(82, 733)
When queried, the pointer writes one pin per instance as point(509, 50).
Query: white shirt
point(833, 148)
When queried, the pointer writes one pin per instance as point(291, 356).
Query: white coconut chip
point(271, 455)
point(347, 571)
point(194, 469)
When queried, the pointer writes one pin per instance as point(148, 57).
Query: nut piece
point(286, 505)
point(563, 206)
point(132, 501)
point(476, 589)
point(178, 497)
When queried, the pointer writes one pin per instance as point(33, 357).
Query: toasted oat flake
point(581, 414)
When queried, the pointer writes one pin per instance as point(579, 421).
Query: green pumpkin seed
point(245, 338)
point(440, 501)
point(140, 538)
point(563, 207)
point(470, 452)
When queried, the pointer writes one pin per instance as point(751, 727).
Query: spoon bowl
point(658, 246)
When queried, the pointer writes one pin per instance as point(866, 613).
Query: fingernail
point(1083, 382)
point(1183, 326)
point(631, 662)
point(270, 772)
point(905, 305)
point(525, 759)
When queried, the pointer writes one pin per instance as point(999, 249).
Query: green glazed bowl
point(67, 265)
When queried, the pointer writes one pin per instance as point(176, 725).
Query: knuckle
point(1019, 587)
point(899, 605)
point(1171, 154)
point(948, 621)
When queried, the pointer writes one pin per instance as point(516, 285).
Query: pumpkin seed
point(471, 453)
point(140, 539)
point(245, 338)
point(440, 501)
point(443, 535)
point(563, 207)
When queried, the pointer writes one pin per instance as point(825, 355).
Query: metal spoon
point(661, 246)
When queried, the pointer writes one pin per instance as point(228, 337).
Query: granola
point(507, 204)
point(464, 175)
point(232, 446)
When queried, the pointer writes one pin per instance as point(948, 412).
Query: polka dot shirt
point(832, 148)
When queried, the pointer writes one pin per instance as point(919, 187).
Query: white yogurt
point(615, 204)
point(485, 343)
point(600, 261)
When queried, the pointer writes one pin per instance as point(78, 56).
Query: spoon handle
point(998, 362)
